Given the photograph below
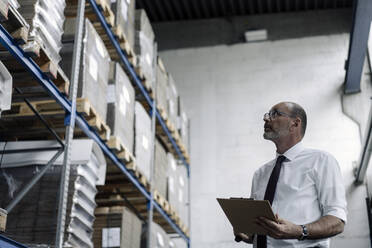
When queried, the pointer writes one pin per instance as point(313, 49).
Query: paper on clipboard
point(242, 214)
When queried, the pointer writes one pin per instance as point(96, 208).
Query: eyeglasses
point(272, 114)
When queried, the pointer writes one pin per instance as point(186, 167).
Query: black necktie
point(270, 193)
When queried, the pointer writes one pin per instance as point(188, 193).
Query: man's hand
point(243, 237)
point(281, 229)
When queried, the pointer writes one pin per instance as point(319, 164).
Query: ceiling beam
point(362, 16)
point(196, 7)
point(343, 3)
point(186, 7)
point(278, 6)
point(287, 6)
point(139, 4)
point(168, 9)
point(223, 7)
point(233, 7)
point(335, 3)
point(260, 7)
point(269, 6)
point(241, 7)
point(178, 9)
point(214, 8)
point(251, 7)
point(204, 9)
point(325, 4)
point(160, 9)
point(316, 4)
point(297, 5)
point(149, 10)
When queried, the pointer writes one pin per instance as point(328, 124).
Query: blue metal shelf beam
point(7, 41)
point(8, 243)
point(134, 75)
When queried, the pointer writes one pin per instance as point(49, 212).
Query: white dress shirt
point(310, 186)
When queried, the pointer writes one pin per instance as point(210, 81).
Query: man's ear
point(297, 122)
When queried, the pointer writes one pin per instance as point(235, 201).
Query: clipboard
point(242, 213)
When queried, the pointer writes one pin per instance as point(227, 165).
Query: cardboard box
point(3, 215)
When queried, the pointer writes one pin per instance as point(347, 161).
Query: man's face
point(278, 125)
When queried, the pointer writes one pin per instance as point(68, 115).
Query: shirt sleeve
point(254, 185)
point(331, 190)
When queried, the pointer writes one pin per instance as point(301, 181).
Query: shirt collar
point(292, 152)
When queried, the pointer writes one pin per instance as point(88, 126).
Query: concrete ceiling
point(174, 10)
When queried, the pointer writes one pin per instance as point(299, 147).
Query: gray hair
point(298, 111)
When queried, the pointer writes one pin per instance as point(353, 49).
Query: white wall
point(227, 89)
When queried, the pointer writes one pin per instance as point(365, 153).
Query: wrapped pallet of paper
point(94, 66)
point(142, 139)
point(183, 124)
point(177, 242)
point(172, 185)
point(172, 100)
point(46, 19)
point(33, 220)
point(124, 18)
point(159, 238)
point(120, 106)
point(6, 87)
point(182, 188)
point(177, 188)
point(14, 3)
point(161, 168)
point(144, 45)
point(161, 86)
point(117, 227)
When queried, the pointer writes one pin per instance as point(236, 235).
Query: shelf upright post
point(189, 182)
point(153, 142)
point(70, 121)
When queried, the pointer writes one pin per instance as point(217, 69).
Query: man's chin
point(269, 135)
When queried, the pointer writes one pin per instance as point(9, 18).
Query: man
point(304, 186)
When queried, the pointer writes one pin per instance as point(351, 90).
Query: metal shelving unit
point(73, 117)
point(8, 243)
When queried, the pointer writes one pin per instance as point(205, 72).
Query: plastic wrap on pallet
point(142, 139)
point(172, 100)
point(69, 28)
point(46, 18)
point(177, 188)
point(161, 88)
point(96, 62)
point(172, 186)
point(161, 169)
point(33, 220)
point(94, 68)
point(119, 227)
point(159, 238)
point(120, 106)
point(183, 124)
point(142, 22)
point(144, 48)
point(177, 242)
point(6, 85)
point(124, 18)
point(144, 45)
point(14, 3)
point(182, 193)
